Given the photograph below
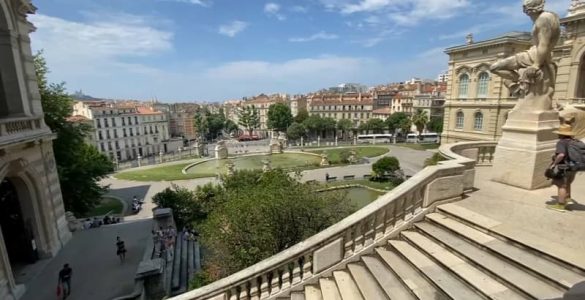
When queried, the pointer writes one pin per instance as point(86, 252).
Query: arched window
point(463, 85)
point(478, 121)
point(482, 85)
point(459, 120)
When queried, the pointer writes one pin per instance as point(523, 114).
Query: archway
point(580, 92)
point(17, 227)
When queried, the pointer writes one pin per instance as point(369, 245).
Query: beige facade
point(262, 103)
point(477, 103)
point(32, 214)
point(356, 107)
point(124, 132)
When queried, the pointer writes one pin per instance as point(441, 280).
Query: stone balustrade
point(13, 128)
point(356, 235)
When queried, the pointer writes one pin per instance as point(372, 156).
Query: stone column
point(525, 149)
point(318, 141)
point(139, 158)
point(302, 142)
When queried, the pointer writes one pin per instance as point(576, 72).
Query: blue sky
point(215, 50)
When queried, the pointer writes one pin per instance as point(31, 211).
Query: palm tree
point(420, 120)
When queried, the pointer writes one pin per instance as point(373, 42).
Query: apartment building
point(356, 107)
point(124, 132)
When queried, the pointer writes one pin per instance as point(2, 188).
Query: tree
point(230, 127)
point(435, 125)
point(344, 125)
point(296, 131)
point(314, 125)
point(376, 125)
point(396, 120)
point(79, 166)
point(302, 115)
point(249, 118)
point(279, 117)
point(201, 124)
point(182, 202)
point(270, 225)
point(420, 120)
point(388, 168)
point(329, 124)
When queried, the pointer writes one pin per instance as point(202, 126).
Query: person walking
point(560, 165)
point(65, 280)
point(121, 249)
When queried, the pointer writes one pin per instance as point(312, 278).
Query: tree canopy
point(375, 125)
point(302, 115)
point(420, 120)
point(249, 118)
point(279, 117)
point(435, 125)
point(296, 131)
point(344, 125)
point(400, 121)
point(80, 166)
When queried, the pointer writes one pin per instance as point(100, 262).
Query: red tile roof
point(147, 111)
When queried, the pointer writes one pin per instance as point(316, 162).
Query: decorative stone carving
point(266, 167)
point(352, 157)
point(275, 146)
point(577, 7)
point(72, 221)
point(531, 74)
point(283, 141)
point(324, 160)
point(230, 168)
point(221, 151)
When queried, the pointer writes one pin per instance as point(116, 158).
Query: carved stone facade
point(477, 103)
point(29, 184)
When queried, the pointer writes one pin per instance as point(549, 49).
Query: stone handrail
point(353, 236)
point(481, 152)
point(13, 126)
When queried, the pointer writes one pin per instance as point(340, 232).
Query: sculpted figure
point(532, 73)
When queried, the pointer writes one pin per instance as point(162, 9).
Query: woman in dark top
point(121, 249)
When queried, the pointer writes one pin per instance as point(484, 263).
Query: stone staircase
point(182, 265)
point(454, 253)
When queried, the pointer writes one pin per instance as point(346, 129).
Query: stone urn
point(324, 160)
point(266, 167)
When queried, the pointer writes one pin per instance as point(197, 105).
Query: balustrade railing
point(355, 235)
point(14, 126)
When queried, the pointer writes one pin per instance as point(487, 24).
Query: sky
point(216, 50)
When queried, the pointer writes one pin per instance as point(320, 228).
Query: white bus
point(374, 138)
point(425, 138)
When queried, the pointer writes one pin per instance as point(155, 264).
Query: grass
point(168, 173)
point(334, 154)
point(373, 184)
point(107, 205)
point(421, 147)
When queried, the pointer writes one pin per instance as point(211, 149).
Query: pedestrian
point(65, 280)
point(121, 249)
point(564, 175)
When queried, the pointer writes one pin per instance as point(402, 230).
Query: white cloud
point(365, 5)
point(299, 9)
point(204, 3)
point(273, 9)
point(233, 28)
point(317, 36)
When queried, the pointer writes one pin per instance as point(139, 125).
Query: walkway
point(97, 271)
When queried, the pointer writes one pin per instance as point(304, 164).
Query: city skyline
point(185, 50)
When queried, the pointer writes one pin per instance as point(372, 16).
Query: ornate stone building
point(32, 215)
point(477, 103)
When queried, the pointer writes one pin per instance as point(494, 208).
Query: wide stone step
point(389, 282)
point(329, 289)
point(530, 261)
point(297, 296)
point(442, 278)
point(410, 277)
point(347, 287)
point(366, 283)
point(481, 281)
point(312, 292)
point(553, 251)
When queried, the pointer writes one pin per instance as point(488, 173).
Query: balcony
point(17, 130)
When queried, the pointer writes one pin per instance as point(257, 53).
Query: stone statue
point(352, 157)
point(266, 165)
point(221, 151)
point(230, 168)
point(275, 146)
point(324, 160)
point(282, 140)
point(530, 75)
point(577, 6)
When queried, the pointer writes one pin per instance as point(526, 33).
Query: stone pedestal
point(525, 149)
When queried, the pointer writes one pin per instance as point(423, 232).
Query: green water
point(359, 196)
point(284, 161)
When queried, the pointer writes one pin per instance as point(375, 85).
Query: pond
point(284, 161)
point(359, 196)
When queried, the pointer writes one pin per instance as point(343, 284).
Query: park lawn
point(334, 153)
point(107, 205)
point(166, 173)
point(421, 147)
point(373, 184)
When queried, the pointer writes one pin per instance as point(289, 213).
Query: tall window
point(482, 84)
point(478, 121)
point(459, 120)
point(581, 80)
point(463, 85)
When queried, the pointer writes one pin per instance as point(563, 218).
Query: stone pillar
point(335, 141)
point(302, 142)
point(318, 141)
point(526, 148)
point(139, 158)
point(161, 156)
point(151, 271)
